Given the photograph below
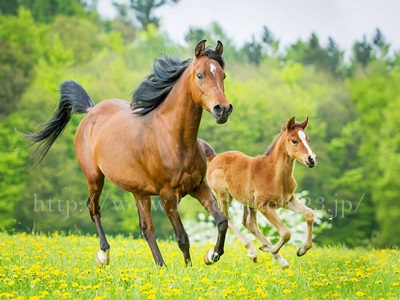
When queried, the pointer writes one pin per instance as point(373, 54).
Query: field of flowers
point(63, 267)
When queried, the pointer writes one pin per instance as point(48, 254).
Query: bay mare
point(148, 147)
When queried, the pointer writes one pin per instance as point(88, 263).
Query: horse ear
point(220, 48)
point(304, 124)
point(200, 47)
point(291, 124)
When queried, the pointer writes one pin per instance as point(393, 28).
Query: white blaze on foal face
point(302, 137)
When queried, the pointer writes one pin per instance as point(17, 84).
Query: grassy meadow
point(63, 267)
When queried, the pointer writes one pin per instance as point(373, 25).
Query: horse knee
point(222, 225)
point(309, 215)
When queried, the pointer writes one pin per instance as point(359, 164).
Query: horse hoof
point(103, 257)
point(253, 259)
point(301, 251)
point(211, 257)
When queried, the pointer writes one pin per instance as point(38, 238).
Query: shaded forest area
point(353, 105)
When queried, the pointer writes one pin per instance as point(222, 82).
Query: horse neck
point(284, 163)
point(183, 114)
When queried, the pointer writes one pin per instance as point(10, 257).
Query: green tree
point(378, 88)
point(363, 52)
point(144, 10)
point(21, 42)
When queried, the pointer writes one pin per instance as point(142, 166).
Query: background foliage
point(352, 100)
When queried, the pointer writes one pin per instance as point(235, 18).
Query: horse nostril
point(218, 110)
point(230, 109)
point(311, 160)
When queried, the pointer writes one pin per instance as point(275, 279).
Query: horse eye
point(200, 75)
point(294, 142)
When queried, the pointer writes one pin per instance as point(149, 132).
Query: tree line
point(352, 105)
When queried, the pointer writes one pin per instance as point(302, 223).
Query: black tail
point(73, 100)
point(208, 150)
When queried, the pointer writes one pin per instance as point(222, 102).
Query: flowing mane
point(156, 87)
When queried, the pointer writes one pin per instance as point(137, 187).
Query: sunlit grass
point(63, 267)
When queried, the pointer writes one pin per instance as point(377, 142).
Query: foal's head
point(207, 81)
point(297, 143)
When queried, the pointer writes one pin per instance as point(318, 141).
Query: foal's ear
point(291, 124)
point(304, 124)
point(200, 47)
point(220, 48)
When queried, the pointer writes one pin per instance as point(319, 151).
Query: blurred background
point(347, 82)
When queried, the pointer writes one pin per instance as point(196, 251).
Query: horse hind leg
point(95, 188)
point(250, 222)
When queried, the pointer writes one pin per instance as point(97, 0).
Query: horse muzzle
point(311, 161)
point(222, 113)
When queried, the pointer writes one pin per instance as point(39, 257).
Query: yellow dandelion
point(360, 294)
point(287, 291)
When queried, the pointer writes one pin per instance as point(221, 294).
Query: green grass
point(63, 267)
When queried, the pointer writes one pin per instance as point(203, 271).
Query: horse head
point(297, 143)
point(207, 86)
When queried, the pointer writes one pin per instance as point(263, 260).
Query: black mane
point(156, 87)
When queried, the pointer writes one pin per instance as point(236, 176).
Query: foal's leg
point(203, 194)
point(95, 186)
point(143, 204)
point(297, 206)
point(250, 222)
point(170, 204)
point(224, 199)
point(271, 215)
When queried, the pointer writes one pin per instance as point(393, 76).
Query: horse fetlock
point(286, 236)
point(103, 257)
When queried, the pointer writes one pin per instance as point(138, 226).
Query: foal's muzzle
point(221, 113)
point(312, 161)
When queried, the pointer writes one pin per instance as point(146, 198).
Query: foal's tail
point(73, 100)
point(208, 150)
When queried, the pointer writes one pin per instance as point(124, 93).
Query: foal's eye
point(294, 142)
point(200, 75)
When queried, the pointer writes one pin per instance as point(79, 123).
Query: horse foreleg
point(297, 206)
point(271, 215)
point(143, 204)
point(203, 194)
point(250, 222)
point(170, 204)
